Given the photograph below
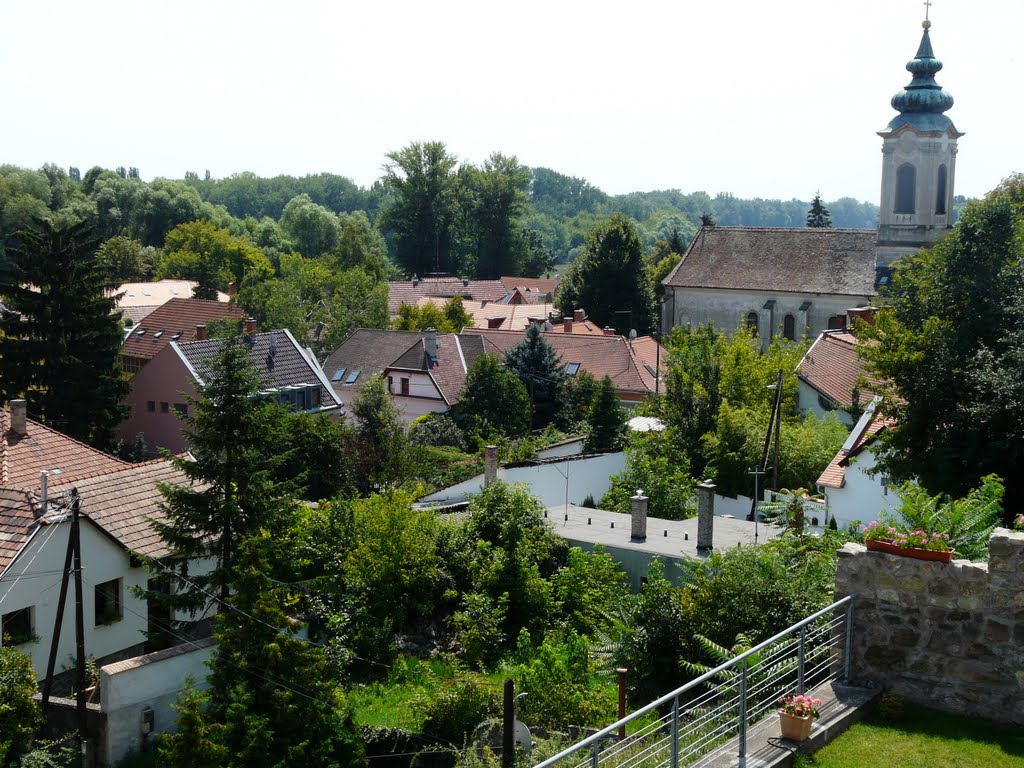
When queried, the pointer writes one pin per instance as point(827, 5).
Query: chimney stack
point(705, 515)
point(579, 315)
point(250, 327)
point(44, 492)
point(567, 324)
point(415, 281)
point(609, 331)
point(638, 513)
point(490, 464)
point(19, 417)
point(865, 314)
point(232, 289)
point(430, 344)
point(201, 332)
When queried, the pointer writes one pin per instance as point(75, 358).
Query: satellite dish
point(632, 334)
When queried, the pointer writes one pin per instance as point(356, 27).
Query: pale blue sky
point(758, 99)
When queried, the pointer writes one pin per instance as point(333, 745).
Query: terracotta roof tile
point(175, 320)
point(833, 367)
point(533, 289)
point(156, 293)
point(804, 260)
point(18, 508)
point(369, 351)
point(23, 457)
point(834, 475)
point(405, 292)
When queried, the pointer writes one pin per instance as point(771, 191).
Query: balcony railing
point(715, 711)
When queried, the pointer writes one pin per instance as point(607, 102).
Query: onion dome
point(922, 102)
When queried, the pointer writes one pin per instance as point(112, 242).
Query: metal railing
point(704, 716)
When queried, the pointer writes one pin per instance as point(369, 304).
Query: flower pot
point(795, 728)
point(881, 545)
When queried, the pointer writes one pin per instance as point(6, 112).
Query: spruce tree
point(606, 422)
point(63, 356)
point(235, 438)
point(541, 369)
point(818, 217)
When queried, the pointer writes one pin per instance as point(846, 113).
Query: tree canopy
point(540, 368)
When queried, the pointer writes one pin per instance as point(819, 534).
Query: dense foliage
point(541, 369)
point(19, 713)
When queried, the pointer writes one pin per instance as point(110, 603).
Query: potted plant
point(882, 537)
point(796, 715)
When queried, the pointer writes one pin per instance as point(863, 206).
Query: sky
point(773, 100)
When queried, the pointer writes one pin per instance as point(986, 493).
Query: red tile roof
point(449, 368)
point(533, 289)
point(23, 457)
point(407, 292)
point(833, 367)
point(176, 320)
point(834, 475)
point(598, 355)
point(18, 510)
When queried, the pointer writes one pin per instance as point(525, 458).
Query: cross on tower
point(927, 7)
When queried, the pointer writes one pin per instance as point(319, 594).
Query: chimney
point(609, 331)
point(201, 332)
point(44, 492)
point(430, 344)
point(579, 315)
point(490, 464)
point(250, 327)
point(638, 512)
point(865, 314)
point(19, 417)
point(232, 289)
point(465, 282)
point(415, 281)
point(567, 324)
point(705, 515)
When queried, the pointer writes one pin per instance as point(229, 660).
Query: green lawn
point(923, 738)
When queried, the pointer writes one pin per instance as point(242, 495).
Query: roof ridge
point(61, 435)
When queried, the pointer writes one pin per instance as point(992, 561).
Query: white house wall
point(40, 565)
point(809, 403)
point(863, 497)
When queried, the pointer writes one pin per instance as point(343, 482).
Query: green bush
point(452, 710)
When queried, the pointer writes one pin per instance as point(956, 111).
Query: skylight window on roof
point(338, 374)
point(141, 332)
point(157, 335)
point(572, 369)
point(352, 377)
point(650, 370)
point(176, 336)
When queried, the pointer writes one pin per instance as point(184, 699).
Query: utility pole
point(79, 617)
point(756, 472)
point(508, 746)
point(59, 623)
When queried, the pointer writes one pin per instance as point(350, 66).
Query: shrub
point(438, 430)
point(455, 708)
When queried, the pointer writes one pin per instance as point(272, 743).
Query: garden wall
point(949, 636)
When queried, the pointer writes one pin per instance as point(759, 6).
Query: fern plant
point(968, 521)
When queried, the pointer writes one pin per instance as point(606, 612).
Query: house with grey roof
point(161, 390)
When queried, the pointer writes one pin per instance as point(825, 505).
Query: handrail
point(604, 733)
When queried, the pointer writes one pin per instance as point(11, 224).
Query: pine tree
point(606, 422)
point(235, 438)
point(63, 357)
point(819, 217)
point(539, 367)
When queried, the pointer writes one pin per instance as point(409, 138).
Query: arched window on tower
point(753, 324)
point(940, 192)
point(906, 182)
point(789, 327)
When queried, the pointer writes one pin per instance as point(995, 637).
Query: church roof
point(778, 259)
point(922, 102)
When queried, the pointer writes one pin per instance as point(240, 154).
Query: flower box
point(795, 728)
point(880, 545)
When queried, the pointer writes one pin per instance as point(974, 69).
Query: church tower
point(918, 162)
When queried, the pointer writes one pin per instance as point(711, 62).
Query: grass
point(921, 738)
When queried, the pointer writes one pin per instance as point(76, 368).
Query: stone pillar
point(705, 515)
point(490, 464)
point(638, 509)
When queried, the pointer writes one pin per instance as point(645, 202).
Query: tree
point(212, 256)
point(818, 217)
point(312, 228)
point(606, 422)
point(537, 364)
point(380, 436)
point(494, 401)
point(951, 354)
point(19, 713)
point(234, 437)
point(321, 441)
point(494, 197)
point(656, 465)
point(609, 279)
point(123, 260)
point(421, 211)
point(63, 358)
point(452, 317)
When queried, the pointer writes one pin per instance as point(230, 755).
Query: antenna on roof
point(632, 333)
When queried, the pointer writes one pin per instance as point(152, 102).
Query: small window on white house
point(572, 369)
point(108, 602)
point(17, 627)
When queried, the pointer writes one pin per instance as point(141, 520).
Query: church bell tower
point(918, 162)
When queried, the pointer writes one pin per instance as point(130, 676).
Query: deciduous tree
point(494, 401)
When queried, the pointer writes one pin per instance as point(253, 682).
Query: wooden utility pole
point(79, 617)
point(59, 623)
point(508, 746)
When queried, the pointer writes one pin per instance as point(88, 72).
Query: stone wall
point(949, 636)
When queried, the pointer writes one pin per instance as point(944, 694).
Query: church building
point(802, 281)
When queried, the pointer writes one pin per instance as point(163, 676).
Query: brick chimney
point(609, 331)
point(19, 417)
point(490, 464)
point(705, 515)
point(201, 332)
point(430, 344)
point(250, 327)
point(579, 315)
point(865, 314)
point(567, 324)
point(232, 289)
point(638, 516)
